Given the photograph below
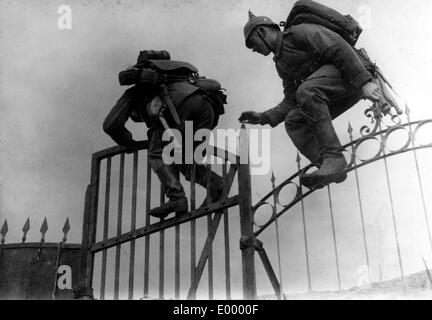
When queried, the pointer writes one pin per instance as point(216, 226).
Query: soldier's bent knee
point(306, 94)
point(294, 120)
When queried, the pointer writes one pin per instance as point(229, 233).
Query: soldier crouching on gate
point(323, 76)
point(166, 94)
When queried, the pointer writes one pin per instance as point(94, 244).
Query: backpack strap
point(169, 66)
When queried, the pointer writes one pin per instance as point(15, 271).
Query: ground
point(417, 287)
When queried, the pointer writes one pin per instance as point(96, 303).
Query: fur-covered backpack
point(308, 11)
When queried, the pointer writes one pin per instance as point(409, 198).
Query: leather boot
point(334, 163)
point(332, 170)
point(303, 136)
point(170, 180)
point(216, 182)
point(216, 188)
point(179, 206)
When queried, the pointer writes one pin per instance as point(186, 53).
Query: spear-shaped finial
point(25, 229)
point(243, 144)
point(66, 229)
point(4, 230)
point(43, 230)
point(350, 130)
point(273, 182)
point(298, 159)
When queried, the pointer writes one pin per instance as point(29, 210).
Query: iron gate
point(213, 214)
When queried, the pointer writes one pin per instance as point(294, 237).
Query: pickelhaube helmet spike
point(254, 22)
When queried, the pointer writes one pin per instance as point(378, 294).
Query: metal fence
point(212, 214)
point(99, 207)
point(38, 270)
point(379, 131)
point(25, 229)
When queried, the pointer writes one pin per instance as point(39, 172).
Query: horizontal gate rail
point(142, 232)
point(142, 145)
point(38, 245)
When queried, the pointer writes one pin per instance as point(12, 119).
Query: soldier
point(191, 103)
point(322, 78)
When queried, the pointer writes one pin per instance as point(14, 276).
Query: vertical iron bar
point(334, 238)
point(226, 235)
point(119, 227)
point(177, 263)
point(420, 182)
point(206, 251)
point(246, 221)
point(394, 223)
point(193, 234)
point(309, 278)
point(360, 205)
point(304, 229)
point(392, 208)
point(92, 221)
point(428, 272)
point(147, 223)
point(362, 222)
point(106, 224)
point(54, 291)
point(161, 250)
point(133, 225)
point(280, 293)
point(209, 225)
point(83, 271)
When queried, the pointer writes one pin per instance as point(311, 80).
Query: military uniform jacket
point(303, 49)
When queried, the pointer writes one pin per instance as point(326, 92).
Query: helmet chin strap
point(261, 33)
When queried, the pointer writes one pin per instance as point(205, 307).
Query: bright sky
point(56, 87)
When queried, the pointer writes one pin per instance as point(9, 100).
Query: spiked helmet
point(254, 22)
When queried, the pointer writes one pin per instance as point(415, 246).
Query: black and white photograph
point(236, 151)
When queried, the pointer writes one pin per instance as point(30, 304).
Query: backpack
point(176, 71)
point(214, 91)
point(308, 11)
